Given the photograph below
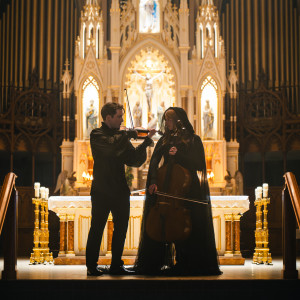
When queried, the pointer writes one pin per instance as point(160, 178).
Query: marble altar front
point(74, 213)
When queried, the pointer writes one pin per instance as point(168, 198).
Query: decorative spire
point(207, 2)
point(232, 80)
point(91, 30)
point(91, 2)
point(66, 79)
point(208, 29)
point(183, 4)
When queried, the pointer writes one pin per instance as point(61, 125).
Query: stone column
point(67, 153)
point(228, 230)
point(236, 234)
point(63, 235)
point(70, 219)
point(232, 156)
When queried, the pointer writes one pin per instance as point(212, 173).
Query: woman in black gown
point(197, 254)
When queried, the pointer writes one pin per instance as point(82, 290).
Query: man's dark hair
point(110, 109)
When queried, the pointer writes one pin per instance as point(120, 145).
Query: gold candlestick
point(37, 255)
point(48, 255)
point(261, 254)
point(40, 252)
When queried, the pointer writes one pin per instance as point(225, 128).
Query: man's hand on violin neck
point(152, 189)
point(151, 133)
point(173, 151)
point(132, 134)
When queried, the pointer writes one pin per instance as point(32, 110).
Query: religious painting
point(149, 16)
point(209, 109)
point(150, 85)
point(90, 106)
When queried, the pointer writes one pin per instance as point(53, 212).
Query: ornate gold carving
point(81, 246)
point(236, 234)
point(150, 81)
point(218, 246)
point(70, 219)
point(228, 230)
point(63, 234)
point(90, 64)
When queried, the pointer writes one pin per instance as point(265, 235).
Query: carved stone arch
point(95, 76)
point(216, 110)
point(4, 142)
point(80, 127)
point(201, 80)
point(143, 44)
point(22, 143)
point(167, 77)
point(89, 67)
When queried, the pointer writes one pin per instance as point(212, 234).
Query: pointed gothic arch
point(148, 43)
point(209, 107)
point(167, 78)
point(90, 93)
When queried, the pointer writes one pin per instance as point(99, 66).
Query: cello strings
point(180, 198)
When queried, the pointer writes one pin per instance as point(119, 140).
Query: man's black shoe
point(94, 272)
point(120, 270)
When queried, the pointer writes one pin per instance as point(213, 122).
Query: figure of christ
point(149, 86)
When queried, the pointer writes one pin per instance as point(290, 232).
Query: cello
point(168, 220)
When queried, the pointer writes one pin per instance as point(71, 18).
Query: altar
point(74, 213)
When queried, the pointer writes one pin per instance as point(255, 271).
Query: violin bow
point(180, 198)
point(131, 120)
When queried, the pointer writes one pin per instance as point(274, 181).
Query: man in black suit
point(111, 149)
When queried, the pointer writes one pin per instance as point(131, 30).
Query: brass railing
point(290, 213)
point(8, 223)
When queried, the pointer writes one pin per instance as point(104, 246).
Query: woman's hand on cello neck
point(173, 151)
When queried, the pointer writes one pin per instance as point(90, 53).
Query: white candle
point(36, 189)
point(265, 190)
point(42, 190)
point(259, 192)
point(255, 191)
point(46, 193)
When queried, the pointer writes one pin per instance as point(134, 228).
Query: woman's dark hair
point(183, 134)
point(110, 109)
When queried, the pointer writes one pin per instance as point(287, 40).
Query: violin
point(142, 133)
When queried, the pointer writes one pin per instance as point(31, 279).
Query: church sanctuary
point(232, 65)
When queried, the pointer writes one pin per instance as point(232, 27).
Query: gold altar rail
point(8, 222)
point(290, 213)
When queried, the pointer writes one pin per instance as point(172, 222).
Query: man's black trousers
point(101, 207)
